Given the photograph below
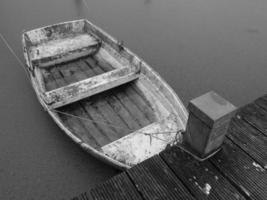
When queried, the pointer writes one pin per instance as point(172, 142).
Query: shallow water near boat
point(196, 46)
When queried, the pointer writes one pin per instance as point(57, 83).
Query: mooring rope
point(86, 4)
point(151, 134)
point(87, 119)
point(14, 54)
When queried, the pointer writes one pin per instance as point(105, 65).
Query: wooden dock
point(238, 171)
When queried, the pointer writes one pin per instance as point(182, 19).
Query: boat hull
point(123, 125)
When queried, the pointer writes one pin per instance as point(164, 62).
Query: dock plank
point(83, 196)
point(202, 179)
point(256, 116)
point(237, 171)
point(119, 187)
point(262, 102)
point(249, 139)
point(244, 173)
point(155, 180)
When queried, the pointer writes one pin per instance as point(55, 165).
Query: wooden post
point(209, 119)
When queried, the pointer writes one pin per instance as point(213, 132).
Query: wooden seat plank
point(248, 139)
point(120, 96)
point(117, 105)
point(94, 111)
point(154, 180)
point(119, 187)
point(74, 125)
point(88, 87)
point(132, 92)
point(62, 50)
point(202, 179)
point(115, 128)
point(105, 107)
point(84, 128)
point(242, 171)
point(81, 109)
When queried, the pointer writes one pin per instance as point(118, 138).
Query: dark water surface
point(196, 45)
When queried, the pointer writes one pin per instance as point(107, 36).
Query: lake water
point(196, 45)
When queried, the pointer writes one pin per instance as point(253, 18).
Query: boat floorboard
point(105, 117)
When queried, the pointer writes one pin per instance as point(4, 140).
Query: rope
point(14, 54)
point(108, 124)
point(86, 4)
point(87, 119)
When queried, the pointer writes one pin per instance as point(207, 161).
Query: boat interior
point(102, 94)
point(112, 114)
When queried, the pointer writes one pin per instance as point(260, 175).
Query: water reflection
point(147, 2)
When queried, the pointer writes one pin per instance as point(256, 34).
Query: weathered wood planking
point(154, 180)
point(78, 126)
point(46, 72)
point(114, 120)
point(131, 106)
point(244, 172)
point(78, 108)
point(238, 171)
point(83, 196)
point(105, 117)
point(88, 87)
point(109, 65)
point(248, 139)
point(202, 178)
point(114, 100)
point(134, 94)
point(256, 115)
point(118, 188)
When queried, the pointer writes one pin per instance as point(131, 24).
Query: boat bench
point(62, 50)
point(88, 87)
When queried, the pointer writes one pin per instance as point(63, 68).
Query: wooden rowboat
point(100, 94)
